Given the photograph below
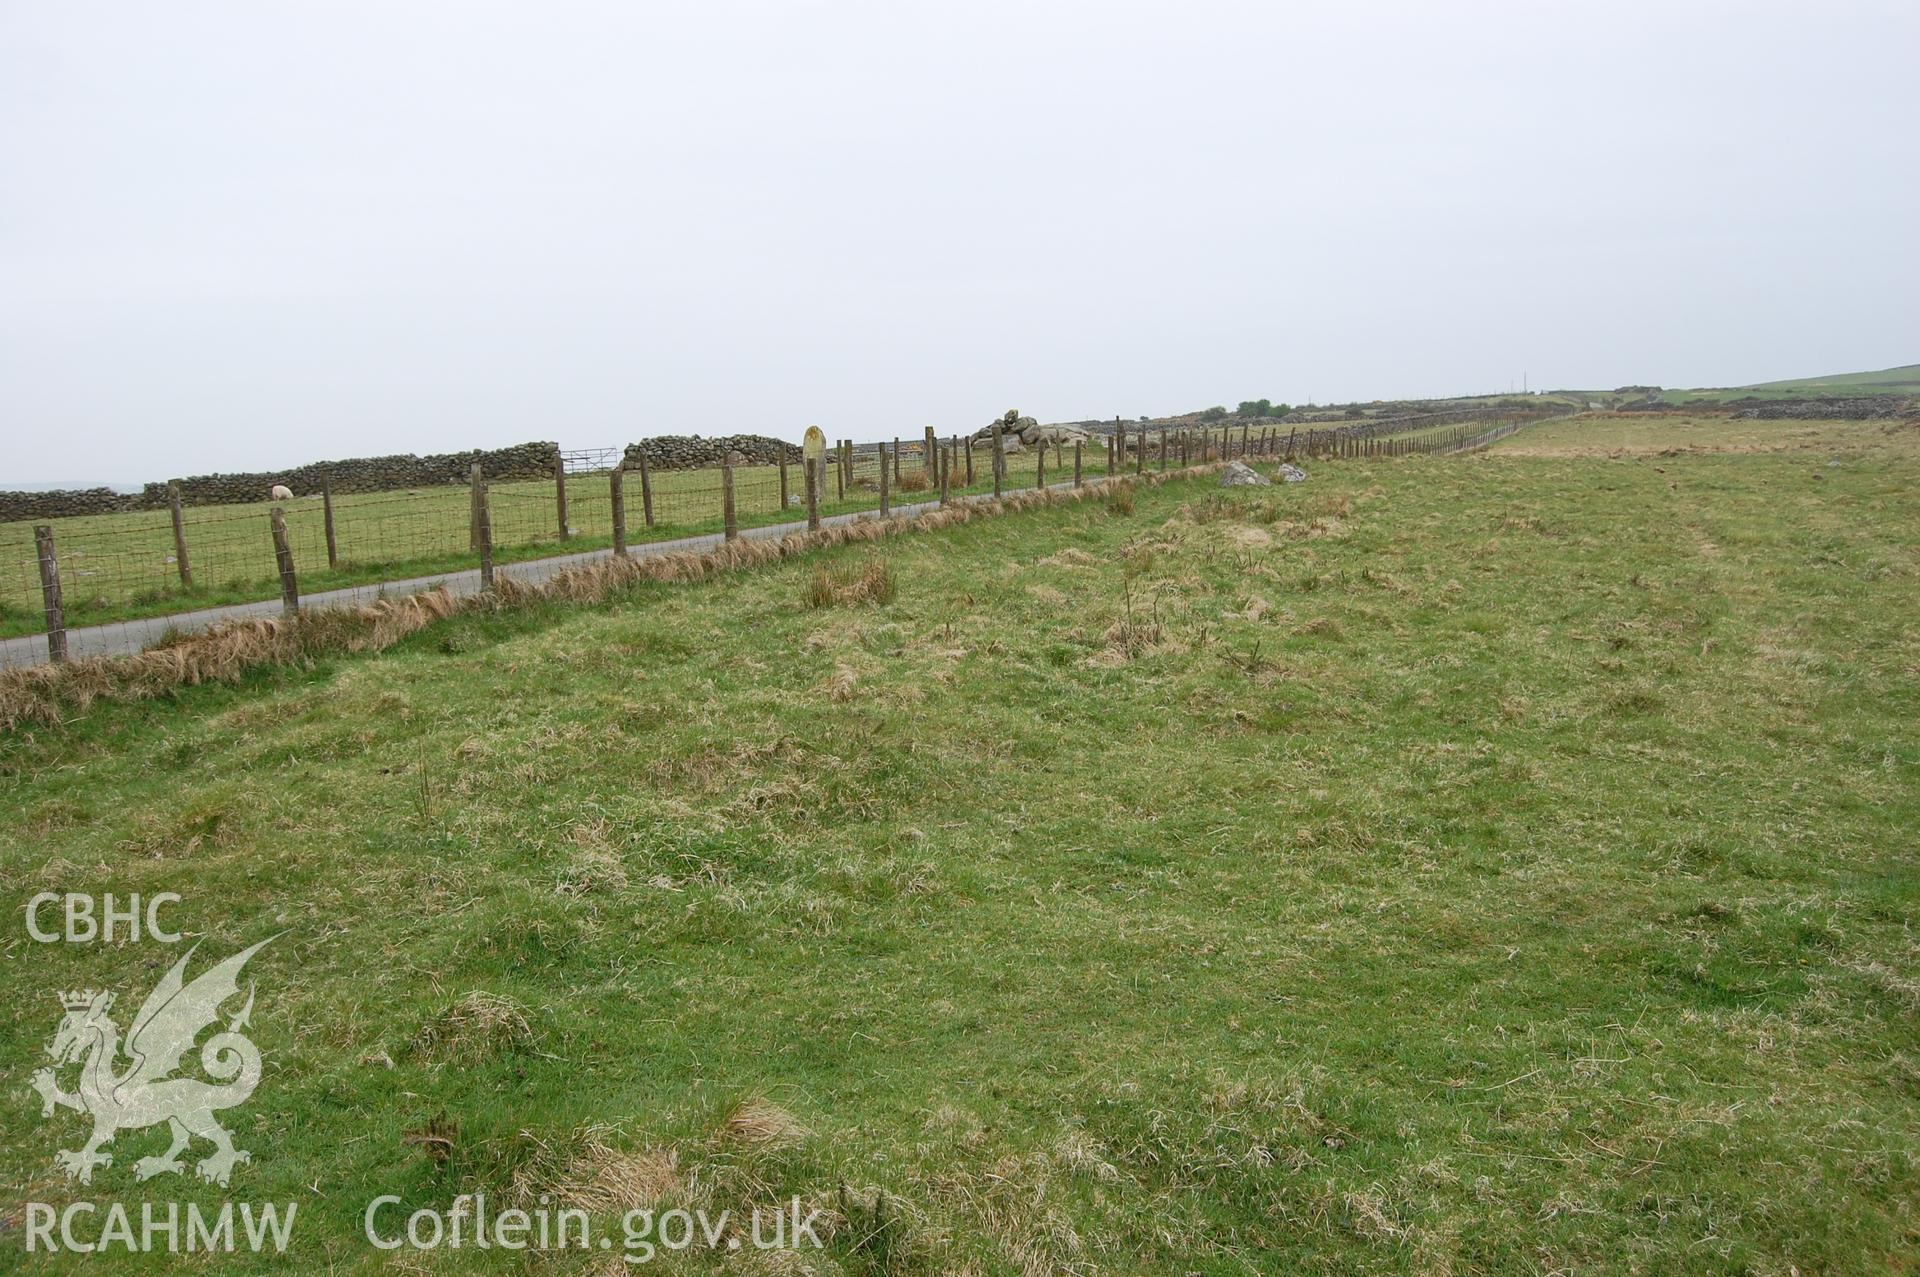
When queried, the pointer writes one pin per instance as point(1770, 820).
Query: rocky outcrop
point(1030, 432)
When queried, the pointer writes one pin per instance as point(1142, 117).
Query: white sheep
point(281, 492)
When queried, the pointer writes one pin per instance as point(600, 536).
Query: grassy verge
point(1494, 864)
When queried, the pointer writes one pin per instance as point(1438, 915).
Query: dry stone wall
point(356, 474)
point(689, 452)
point(1864, 408)
point(62, 503)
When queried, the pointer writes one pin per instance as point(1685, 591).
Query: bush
point(1214, 413)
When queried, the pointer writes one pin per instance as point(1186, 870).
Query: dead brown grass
point(758, 1121)
point(604, 1179)
point(49, 694)
point(870, 582)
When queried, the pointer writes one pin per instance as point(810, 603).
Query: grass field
point(1491, 864)
point(1647, 434)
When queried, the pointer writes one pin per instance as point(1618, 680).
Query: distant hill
point(1904, 380)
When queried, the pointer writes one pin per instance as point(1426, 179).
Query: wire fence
point(151, 569)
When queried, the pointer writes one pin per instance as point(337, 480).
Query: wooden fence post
point(283, 556)
point(943, 462)
point(560, 494)
point(813, 494)
point(1290, 434)
point(956, 449)
point(473, 507)
point(1078, 445)
point(999, 459)
point(840, 471)
point(1040, 469)
point(1163, 449)
point(785, 496)
point(1140, 455)
point(326, 515)
point(886, 507)
point(933, 459)
point(646, 490)
point(50, 593)
point(180, 534)
point(482, 525)
point(729, 525)
point(619, 503)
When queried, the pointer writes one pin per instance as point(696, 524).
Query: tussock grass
point(475, 1027)
point(835, 586)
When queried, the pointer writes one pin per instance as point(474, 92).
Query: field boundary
point(181, 557)
point(54, 693)
point(128, 638)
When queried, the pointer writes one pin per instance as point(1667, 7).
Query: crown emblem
point(81, 999)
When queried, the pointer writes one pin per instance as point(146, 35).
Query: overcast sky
point(237, 235)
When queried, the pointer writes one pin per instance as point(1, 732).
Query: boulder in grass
point(1292, 473)
point(1238, 474)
